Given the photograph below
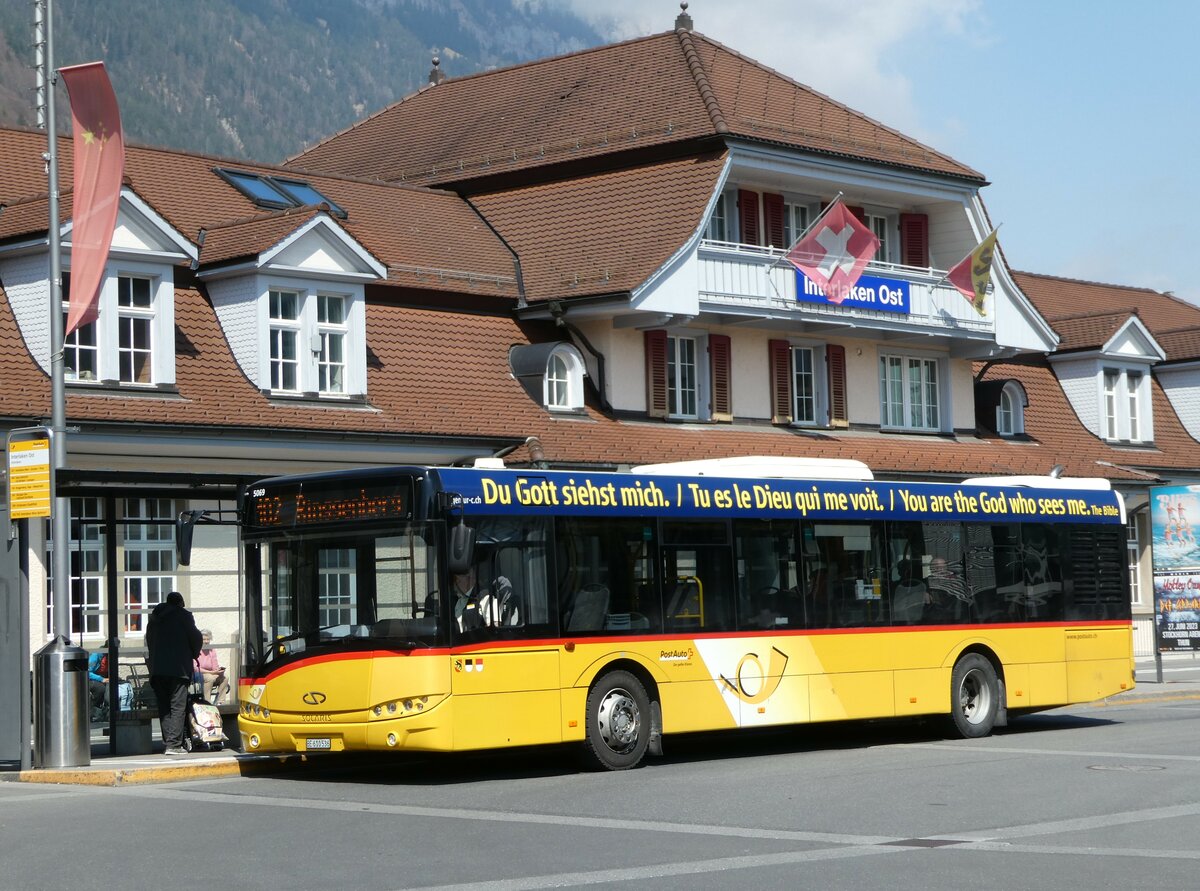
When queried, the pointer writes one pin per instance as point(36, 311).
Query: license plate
point(319, 742)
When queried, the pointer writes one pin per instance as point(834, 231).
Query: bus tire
point(618, 721)
point(974, 696)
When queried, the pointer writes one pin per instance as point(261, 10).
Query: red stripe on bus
point(556, 642)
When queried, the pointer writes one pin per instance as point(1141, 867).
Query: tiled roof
point(428, 238)
point(1181, 345)
point(446, 375)
point(1081, 312)
point(1089, 332)
point(605, 232)
point(1062, 439)
point(249, 238)
point(665, 88)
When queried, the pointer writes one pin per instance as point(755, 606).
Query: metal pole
point(60, 598)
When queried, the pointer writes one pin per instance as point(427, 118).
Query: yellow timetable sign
point(29, 479)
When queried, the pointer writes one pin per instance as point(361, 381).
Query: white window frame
point(337, 585)
point(1125, 413)
point(312, 337)
point(883, 226)
point(108, 348)
point(820, 380)
point(148, 559)
point(86, 600)
point(332, 333)
point(284, 329)
point(718, 222)
point(676, 388)
point(906, 404)
point(562, 384)
point(1010, 420)
point(797, 216)
point(1134, 553)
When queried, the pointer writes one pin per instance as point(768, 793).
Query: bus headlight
point(391, 739)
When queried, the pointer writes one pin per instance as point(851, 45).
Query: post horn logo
point(313, 697)
point(752, 683)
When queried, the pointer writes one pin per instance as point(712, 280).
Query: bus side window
point(606, 582)
point(698, 584)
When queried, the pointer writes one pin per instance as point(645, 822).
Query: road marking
point(842, 846)
point(1078, 824)
point(641, 873)
point(1062, 753)
point(1006, 848)
point(359, 807)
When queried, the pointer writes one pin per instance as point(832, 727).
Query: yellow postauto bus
point(453, 609)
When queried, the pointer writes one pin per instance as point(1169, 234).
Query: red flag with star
point(99, 159)
point(835, 251)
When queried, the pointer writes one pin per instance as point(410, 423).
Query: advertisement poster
point(1175, 557)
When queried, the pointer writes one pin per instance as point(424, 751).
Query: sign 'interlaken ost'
point(871, 292)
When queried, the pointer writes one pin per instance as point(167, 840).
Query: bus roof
point(764, 467)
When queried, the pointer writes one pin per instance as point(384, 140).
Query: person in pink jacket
point(211, 673)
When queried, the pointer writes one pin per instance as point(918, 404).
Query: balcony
point(743, 283)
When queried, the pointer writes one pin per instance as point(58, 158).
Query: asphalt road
point(1085, 798)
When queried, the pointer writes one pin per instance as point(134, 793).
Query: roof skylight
point(277, 192)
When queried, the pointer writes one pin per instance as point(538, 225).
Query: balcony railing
point(741, 278)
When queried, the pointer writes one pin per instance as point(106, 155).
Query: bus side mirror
point(462, 549)
point(185, 525)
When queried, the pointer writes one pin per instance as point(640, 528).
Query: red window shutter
point(859, 213)
point(914, 239)
point(773, 219)
point(780, 359)
point(748, 217)
point(835, 364)
point(657, 397)
point(720, 367)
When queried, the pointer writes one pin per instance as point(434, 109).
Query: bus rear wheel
point(618, 721)
point(974, 696)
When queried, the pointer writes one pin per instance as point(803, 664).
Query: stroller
point(203, 725)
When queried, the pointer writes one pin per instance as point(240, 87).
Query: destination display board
point(327, 501)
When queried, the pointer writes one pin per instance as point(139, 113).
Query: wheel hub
point(620, 720)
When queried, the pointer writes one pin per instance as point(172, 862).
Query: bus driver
point(489, 608)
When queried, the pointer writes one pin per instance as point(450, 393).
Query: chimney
point(436, 75)
point(683, 22)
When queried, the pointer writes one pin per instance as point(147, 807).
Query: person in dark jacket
point(174, 642)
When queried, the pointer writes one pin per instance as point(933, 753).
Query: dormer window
point(564, 380)
point(309, 336)
point(1126, 393)
point(122, 345)
point(1010, 411)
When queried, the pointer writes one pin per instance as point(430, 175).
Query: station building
point(573, 263)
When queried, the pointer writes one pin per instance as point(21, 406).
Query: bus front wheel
point(618, 721)
point(974, 696)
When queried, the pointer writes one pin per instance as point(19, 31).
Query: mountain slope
point(263, 78)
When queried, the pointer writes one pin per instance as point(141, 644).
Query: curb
point(166, 773)
point(1139, 698)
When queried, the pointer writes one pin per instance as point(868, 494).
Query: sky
point(1082, 114)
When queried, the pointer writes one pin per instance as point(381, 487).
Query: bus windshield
point(358, 588)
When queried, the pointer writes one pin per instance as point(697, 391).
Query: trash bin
point(61, 734)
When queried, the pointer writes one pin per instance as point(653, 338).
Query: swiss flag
point(835, 252)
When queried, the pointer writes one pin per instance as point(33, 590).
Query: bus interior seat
point(589, 608)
